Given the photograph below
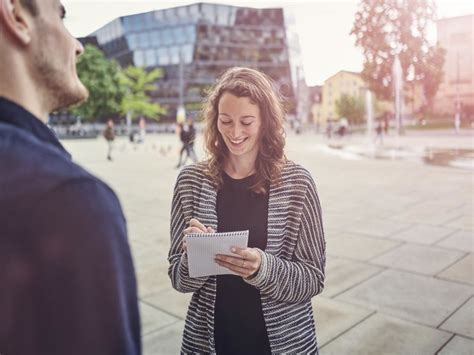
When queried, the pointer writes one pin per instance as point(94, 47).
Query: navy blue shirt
point(67, 282)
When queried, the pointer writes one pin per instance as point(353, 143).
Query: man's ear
point(16, 20)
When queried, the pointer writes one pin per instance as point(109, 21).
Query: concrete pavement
point(399, 231)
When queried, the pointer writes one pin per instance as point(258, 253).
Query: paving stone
point(381, 198)
point(164, 341)
point(462, 321)
point(461, 240)
point(357, 247)
point(153, 319)
point(172, 301)
point(458, 346)
point(338, 221)
point(343, 274)
point(418, 258)
point(423, 234)
point(377, 227)
point(432, 217)
point(381, 334)
point(412, 297)
point(465, 222)
point(152, 280)
point(462, 271)
point(333, 317)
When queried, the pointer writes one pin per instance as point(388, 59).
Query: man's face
point(54, 53)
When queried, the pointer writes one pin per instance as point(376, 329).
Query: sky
point(323, 27)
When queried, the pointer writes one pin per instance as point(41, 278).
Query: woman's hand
point(195, 227)
point(246, 264)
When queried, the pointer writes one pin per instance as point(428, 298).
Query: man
point(67, 284)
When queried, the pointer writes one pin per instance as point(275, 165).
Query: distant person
point(187, 135)
point(192, 139)
point(109, 135)
point(248, 184)
point(378, 132)
point(343, 127)
point(67, 282)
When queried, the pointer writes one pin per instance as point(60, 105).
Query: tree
point(351, 108)
point(102, 79)
point(138, 83)
point(387, 28)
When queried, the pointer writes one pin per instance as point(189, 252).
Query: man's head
point(44, 52)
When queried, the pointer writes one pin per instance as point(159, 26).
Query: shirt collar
point(14, 114)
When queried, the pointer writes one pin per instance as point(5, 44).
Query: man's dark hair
point(30, 5)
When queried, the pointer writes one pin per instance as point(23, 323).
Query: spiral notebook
point(203, 247)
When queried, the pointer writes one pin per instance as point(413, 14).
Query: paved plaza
point(399, 232)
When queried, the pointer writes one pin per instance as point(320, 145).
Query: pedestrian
point(343, 126)
point(192, 139)
point(248, 184)
point(67, 278)
point(187, 135)
point(378, 132)
point(184, 139)
point(109, 135)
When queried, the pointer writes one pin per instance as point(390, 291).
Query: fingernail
point(233, 250)
point(218, 258)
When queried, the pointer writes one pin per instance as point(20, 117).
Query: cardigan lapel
point(278, 204)
point(207, 212)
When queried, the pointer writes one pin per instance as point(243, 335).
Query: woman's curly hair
point(260, 89)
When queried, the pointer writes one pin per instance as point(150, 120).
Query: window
point(144, 40)
point(179, 35)
point(150, 57)
point(163, 56)
point(187, 53)
point(132, 41)
point(174, 54)
point(155, 38)
point(139, 58)
point(167, 36)
point(223, 15)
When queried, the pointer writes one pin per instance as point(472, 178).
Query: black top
point(239, 325)
point(67, 279)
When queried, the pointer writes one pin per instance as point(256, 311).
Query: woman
point(247, 183)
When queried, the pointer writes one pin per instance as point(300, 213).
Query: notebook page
point(203, 247)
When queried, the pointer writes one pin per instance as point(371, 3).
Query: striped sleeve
point(302, 278)
point(178, 268)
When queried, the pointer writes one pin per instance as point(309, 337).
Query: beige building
point(456, 36)
point(342, 83)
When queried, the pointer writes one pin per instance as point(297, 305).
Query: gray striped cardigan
point(292, 268)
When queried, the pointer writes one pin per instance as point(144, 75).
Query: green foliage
point(101, 77)
point(386, 28)
point(138, 83)
point(351, 108)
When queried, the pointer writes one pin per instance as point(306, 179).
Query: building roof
point(454, 18)
point(343, 71)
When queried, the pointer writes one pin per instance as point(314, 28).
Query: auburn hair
point(261, 90)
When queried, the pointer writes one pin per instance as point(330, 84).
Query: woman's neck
point(239, 168)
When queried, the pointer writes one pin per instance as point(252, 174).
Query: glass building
point(194, 44)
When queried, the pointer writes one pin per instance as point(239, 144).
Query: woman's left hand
point(246, 263)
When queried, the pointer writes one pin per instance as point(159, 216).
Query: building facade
point(194, 44)
point(342, 83)
point(456, 36)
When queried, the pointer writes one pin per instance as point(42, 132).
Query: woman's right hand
point(195, 227)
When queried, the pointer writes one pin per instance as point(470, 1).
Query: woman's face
point(239, 124)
